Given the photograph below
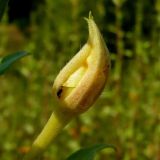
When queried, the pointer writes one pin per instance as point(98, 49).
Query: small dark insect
point(59, 92)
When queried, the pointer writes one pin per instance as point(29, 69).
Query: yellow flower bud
point(76, 87)
point(81, 81)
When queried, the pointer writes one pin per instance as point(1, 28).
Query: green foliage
point(88, 153)
point(3, 4)
point(7, 61)
point(127, 113)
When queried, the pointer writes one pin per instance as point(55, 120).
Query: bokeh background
point(127, 113)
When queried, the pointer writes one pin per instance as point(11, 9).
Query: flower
point(76, 87)
point(81, 81)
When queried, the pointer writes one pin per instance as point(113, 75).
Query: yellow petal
point(83, 78)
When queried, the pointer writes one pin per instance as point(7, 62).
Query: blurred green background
point(127, 114)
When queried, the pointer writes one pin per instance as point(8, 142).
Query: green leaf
point(3, 5)
point(88, 153)
point(7, 61)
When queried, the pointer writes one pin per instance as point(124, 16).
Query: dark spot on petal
point(59, 92)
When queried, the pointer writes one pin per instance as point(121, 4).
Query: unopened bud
point(76, 87)
point(81, 81)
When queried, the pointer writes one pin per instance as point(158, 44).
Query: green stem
point(120, 48)
point(53, 127)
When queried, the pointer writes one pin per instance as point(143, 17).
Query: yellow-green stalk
point(76, 87)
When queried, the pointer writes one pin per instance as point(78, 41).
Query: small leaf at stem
point(89, 153)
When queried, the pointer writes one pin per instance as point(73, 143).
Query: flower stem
point(53, 127)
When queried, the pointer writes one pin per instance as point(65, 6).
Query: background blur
point(127, 113)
